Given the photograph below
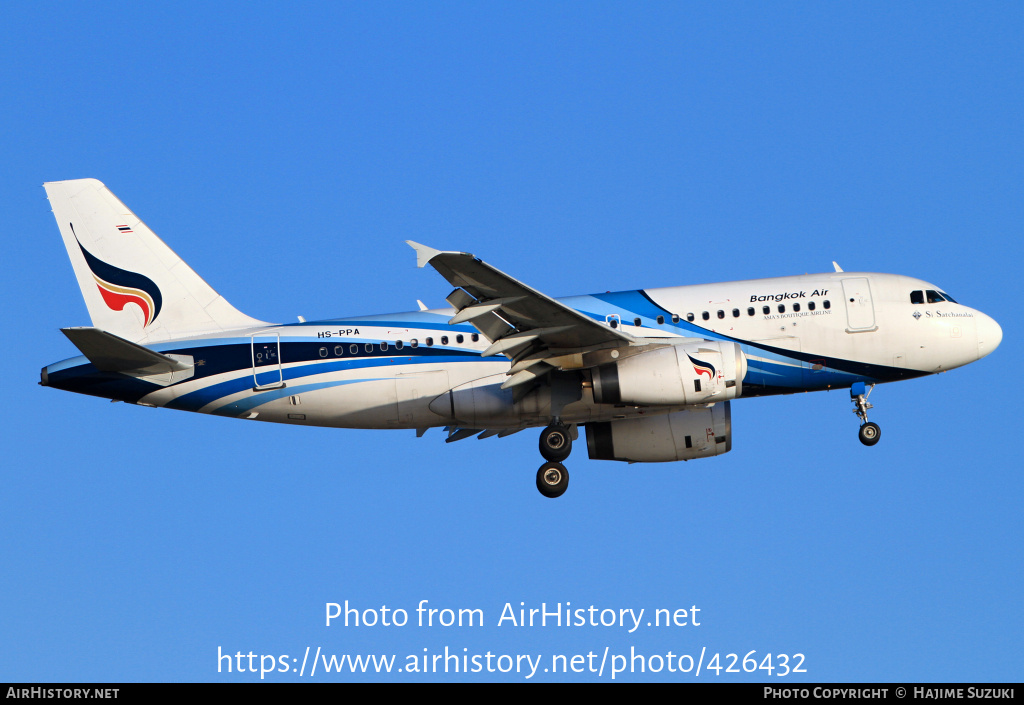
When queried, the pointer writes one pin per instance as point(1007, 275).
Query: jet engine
point(682, 435)
point(689, 373)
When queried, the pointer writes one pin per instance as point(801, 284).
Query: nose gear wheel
point(869, 433)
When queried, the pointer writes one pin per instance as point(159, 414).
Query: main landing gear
point(869, 432)
point(555, 446)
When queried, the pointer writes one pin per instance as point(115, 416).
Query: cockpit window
point(934, 297)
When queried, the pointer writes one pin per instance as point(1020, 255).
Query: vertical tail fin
point(134, 285)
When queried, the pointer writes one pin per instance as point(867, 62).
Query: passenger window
point(323, 352)
point(383, 346)
point(782, 308)
point(735, 313)
point(661, 320)
point(690, 317)
point(826, 304)
point(614, 323)
point(796, 307)
point(636, 322)
point(810, 305)
point(398, 345)
point(459, 338)
point(430, 342)
point(766, 310)
point(444, 340)
point(414, 342)
point(368, 347)
point(917, 297)
point(675, 318)
point(338, 351)
point(705, 315)
point(475, 337)
point(353, 348)
point(721, 313)
point(750, 311)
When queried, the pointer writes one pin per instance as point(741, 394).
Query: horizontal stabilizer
point(109, 353)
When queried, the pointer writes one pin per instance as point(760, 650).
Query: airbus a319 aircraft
point(650, 373)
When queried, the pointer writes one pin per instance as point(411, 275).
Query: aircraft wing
point(523, 324)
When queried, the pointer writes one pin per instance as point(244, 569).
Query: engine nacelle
point(683, 435)
point(689, 373)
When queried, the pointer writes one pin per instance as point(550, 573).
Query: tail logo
point(119, 287)
point(702, 368)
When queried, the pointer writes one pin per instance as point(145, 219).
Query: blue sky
point(286, 151)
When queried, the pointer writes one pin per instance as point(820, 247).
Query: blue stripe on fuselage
point(195, 400)
point(242, 405)
point(783, 371)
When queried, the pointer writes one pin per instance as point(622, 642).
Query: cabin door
point(266, 361)
point(860, 311)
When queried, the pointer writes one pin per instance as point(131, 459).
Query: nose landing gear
point(869, 433)
point(555, 446)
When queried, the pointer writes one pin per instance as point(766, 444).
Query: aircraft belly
point(365, 404)
point(160, 397)
point(482, 403)
point(397, 397)
point(415, 392)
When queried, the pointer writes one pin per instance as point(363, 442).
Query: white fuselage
point(414, 370)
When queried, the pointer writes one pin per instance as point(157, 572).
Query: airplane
point(650, 374)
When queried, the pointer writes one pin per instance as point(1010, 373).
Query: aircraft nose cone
point(989, 335)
